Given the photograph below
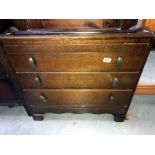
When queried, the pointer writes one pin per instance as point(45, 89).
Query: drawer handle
point(43, 98)
point(115, 82)
point(32, 62)
point(37, 81)
point(112, 99)
point(119, 62)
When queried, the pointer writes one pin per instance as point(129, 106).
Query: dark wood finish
point(51, 23)
point(21, 24)
point(2, 71)
point(77, 62)
point(78, 98)
point(77, 80)
point(8, 96)
point(75, 39)
point(16, 87)
point(7, 93)
point(81, 80)
point(38, 117)
point(109, 23)
point(37, 109)
point(119, 118)
point(24, 24)
point(5, 24)
point(70, 23)
point(60, 48)
point(127, 23)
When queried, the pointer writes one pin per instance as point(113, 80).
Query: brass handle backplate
point(119, 62)
point(37, 81)
point(115, 82)
point(112, 99)
point(43, 98)
point(32, 62)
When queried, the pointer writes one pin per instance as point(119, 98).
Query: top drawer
point(76, 57)
point(79, 62)
point(59, 48)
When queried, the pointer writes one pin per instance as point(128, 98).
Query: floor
point(141, 121)
point(141, 117)
point(148, 74)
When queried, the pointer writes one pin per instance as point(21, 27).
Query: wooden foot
point(119, 118)
point(38, 117)
point(10, 106)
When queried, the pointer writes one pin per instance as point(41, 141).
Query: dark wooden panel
point(46, 23)
point(77, 80)
point(77, 97)
point(128, 47)
point(127, 23)
point(70, 23)
point(79, 62)
point(2, 71)
point(21, 24)
point(85, 56)
point(5, 24)
point(7, 93)
point(53, 23)
point(76, 39)
point(41, 109)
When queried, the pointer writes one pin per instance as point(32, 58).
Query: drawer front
point(78, 97)
point(59, 48)
point(75, 39)
point(78, 80)
point(79, 62)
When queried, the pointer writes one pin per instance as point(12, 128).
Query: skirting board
point(145, 89)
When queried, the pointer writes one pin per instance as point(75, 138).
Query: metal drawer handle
point(119, 62)
point(32, 62)
point(43, 98)
point(112, 99)
point(115, 82)
point(37, 81)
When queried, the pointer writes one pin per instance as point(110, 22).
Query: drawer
point(7, 93)
point(78, 97)
point(79, 62)
point(78, 80)
point(41, 109)
point(74, 39)
point(59, 48)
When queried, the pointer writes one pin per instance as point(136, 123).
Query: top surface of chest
point(80, 36)
point(76, 42)
point(83, 51)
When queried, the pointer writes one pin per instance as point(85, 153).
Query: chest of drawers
point(79, 73)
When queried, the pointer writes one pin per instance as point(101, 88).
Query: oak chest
point(76, 72)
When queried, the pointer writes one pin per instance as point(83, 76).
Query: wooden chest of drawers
point(77, 73)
